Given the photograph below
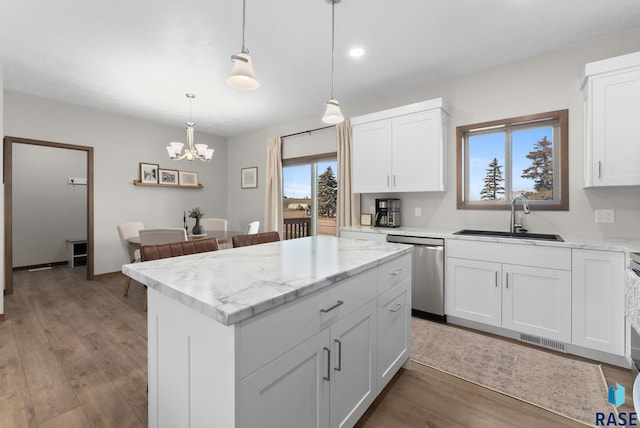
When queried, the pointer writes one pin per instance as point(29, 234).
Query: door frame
point(8, 203)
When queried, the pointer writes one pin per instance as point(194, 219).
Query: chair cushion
point(255, 238)
point(174, 249)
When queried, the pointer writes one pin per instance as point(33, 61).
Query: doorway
point(8, 202)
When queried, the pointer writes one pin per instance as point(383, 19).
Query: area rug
point(570, 388)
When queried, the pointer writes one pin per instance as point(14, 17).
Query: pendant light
point(332, 115)
point(192, 151)
point(242, 75)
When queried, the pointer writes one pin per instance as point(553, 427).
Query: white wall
point(543, 83)
point(47, 210)
point(120, 143)
point(4, 286)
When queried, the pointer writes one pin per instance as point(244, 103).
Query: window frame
point(561, 150)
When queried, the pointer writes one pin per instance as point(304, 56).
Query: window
point(310, 196)
point(526, 155)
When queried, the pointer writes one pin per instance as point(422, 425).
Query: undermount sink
point(502, 234)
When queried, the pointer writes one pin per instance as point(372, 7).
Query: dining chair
point(252, 228)
point(214, 223)
point(126, 231)
point(164, 235)
point(175, 249)
point(255, 238)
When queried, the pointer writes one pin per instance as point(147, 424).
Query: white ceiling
point(139, 57)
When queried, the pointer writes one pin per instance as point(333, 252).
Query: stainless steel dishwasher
point(427, 285)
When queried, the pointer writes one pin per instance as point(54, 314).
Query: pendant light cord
point(333, 53)
point(243, 21)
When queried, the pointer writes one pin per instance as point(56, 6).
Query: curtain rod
point(309, 131)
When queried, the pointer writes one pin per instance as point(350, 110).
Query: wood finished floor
point(73, 354)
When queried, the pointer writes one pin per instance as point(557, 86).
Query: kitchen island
point(304, 332)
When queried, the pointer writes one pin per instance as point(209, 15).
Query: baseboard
point(41, 265)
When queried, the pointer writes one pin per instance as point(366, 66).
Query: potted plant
point(197, 214)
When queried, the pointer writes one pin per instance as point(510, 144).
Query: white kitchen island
point(298, 333)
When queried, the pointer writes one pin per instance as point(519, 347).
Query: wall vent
point(546, 343)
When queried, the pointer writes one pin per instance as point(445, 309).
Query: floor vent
point(546, 343)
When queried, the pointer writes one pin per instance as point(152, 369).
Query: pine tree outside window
point(502, 159)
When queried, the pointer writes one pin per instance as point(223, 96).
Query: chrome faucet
point(513, 226)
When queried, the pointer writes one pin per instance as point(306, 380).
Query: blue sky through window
point(482, 148)
point(297, 178)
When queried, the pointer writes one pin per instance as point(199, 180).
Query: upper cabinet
point(401, 149)
point(611, 91)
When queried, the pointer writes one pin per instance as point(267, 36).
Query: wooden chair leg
point(126, 286)
point(146, 293)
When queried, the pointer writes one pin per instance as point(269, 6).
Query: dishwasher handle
point(416, 240)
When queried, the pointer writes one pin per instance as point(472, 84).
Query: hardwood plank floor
point(73, 354)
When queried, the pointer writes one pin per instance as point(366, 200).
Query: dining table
point(223, 237)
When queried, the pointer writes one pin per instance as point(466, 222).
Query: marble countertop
point(632, 299)
point(570, 241)
point(233, 285)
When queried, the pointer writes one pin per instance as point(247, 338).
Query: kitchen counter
point(570, 241)
point(231, 286)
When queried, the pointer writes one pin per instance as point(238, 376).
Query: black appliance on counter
point(387, 213)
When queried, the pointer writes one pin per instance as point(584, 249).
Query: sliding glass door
point(310, 196)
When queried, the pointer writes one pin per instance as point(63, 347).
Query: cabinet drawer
point(394, 272)
point(516, 254)
point(271, 334)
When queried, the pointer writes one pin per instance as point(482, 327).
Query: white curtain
point(273, 187)
point(348, 203)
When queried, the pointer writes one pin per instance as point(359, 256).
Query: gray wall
point(543, 83)
point(120, 143)
point(47, 210)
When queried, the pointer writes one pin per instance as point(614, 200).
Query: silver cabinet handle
point(599, 169)
point(496, 278)
point(387, 181)
point(397, 307)
point(338, 303)
point(396, 272)
point(394, 180)
point(339, 355)
point(507, 279)
point(328, 376)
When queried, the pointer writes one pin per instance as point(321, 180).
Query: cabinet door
point(292, 390)
point(537, 301)
point(394, 331)
point(353, 368)
point(598, 300)
point(371, 163)
point(614, 116)
point(472, 290)
point(418, 152)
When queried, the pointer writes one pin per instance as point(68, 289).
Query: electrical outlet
point(605, 216)
point(418, 211)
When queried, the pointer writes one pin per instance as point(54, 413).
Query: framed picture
point(366, 219)
point(249, 178)
point(188, 178)
point(148, 172)
point(168, 176)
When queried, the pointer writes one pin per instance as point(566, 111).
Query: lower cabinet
point(537, 301)
point(330, 379)
point(515, 295)
point(394, 331)
point(598, 300)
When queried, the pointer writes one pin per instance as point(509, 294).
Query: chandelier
point(192, 151)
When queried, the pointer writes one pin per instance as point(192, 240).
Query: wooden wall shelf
point(139, 183)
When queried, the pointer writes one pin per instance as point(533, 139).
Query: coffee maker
point(387, 213)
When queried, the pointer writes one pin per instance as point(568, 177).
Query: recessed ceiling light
point(356, 52)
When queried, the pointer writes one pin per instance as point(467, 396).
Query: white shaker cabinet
point(522, 288)
point(611, 91)
point(473, 290)
point(401, 149)
point(598, 300)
